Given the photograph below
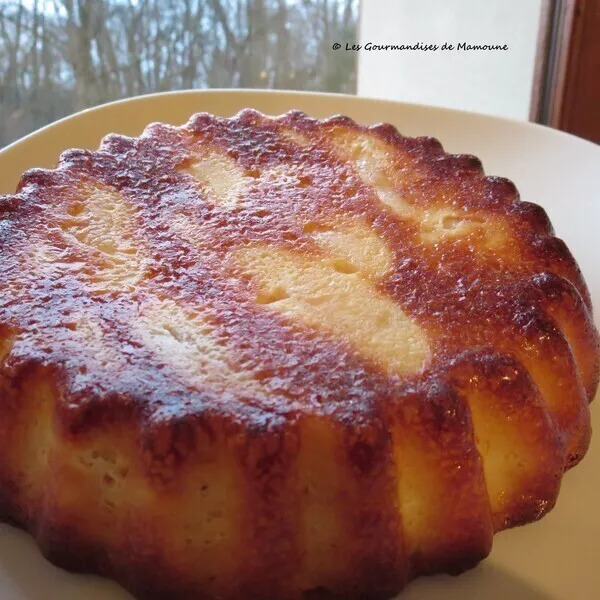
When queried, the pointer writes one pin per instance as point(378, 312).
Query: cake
point(283, 357)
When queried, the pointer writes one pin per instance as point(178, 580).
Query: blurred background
point(61, 56)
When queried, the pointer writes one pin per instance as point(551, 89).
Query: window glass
point(60, 56)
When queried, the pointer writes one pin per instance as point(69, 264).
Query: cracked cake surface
point(276, 357)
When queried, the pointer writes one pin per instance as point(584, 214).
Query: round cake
point(275, 358)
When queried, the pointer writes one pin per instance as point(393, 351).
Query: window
point(60, 56)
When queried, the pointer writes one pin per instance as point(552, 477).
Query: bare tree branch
point(58, 56)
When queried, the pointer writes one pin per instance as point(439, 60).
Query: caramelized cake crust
point(272, 357)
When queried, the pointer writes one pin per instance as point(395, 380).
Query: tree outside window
point(61, 56)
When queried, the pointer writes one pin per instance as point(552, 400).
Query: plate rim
point(86, 112)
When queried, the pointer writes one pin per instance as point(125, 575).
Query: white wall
point(491, 82)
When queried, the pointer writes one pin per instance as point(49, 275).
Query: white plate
point(557, 558)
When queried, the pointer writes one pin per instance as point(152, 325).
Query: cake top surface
point(262, 267)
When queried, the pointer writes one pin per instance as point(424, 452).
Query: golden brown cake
point(279, 357)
